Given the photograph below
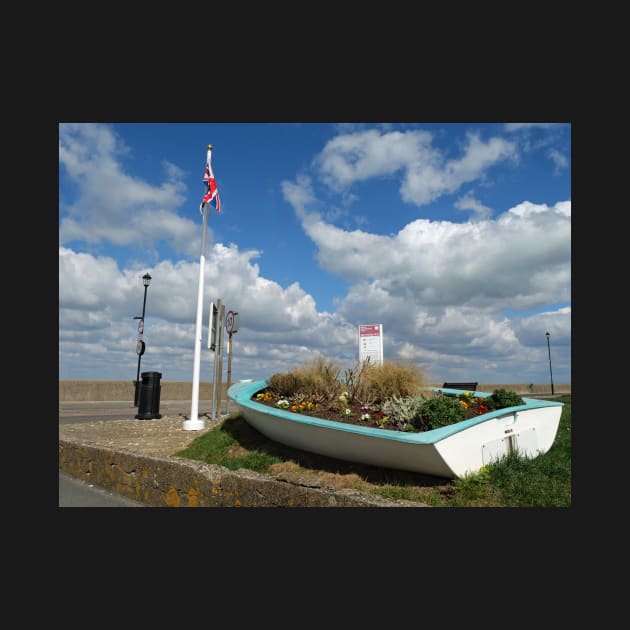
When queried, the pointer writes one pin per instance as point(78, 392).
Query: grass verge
point(544, 481)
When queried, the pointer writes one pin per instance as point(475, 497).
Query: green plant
point(440, 411)
point(404, 411)
point(320, 378)
point(391, 378)
point(351, 380)
point(500, 398)
point(285, 384)
point(381, 419)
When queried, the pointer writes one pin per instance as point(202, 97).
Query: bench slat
point(471, 387)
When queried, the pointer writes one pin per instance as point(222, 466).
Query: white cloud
point(531, 330)
point(468, 202)
point(484, 263)
point(560, 161)
point(521, 126)
point(364, 154)
point(114, 207)
point(426, 174)
point(298, 194)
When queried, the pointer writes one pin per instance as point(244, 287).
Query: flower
point(474, 405)
point(365, 416)
point(381, 420)
point(283, 403)
point(347, 412)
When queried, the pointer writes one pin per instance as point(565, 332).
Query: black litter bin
point(149, 405)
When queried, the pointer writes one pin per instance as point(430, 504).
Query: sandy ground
point(159, 436)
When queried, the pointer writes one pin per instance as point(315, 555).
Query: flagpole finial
point(210, 147)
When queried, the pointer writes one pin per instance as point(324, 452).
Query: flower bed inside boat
point(431, 409)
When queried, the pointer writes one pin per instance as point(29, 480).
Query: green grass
point(220, 446)
point(544, 481)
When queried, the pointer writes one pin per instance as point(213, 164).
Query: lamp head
point(146, 279)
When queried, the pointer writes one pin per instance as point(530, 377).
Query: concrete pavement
point(101, 443)
point(76, 493)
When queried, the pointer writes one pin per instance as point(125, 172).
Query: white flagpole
point(195, 423)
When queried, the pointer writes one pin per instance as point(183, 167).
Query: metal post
point(146, 279)
point(195, 423)
point(550, 372)
point(217, 352)
point(220, 351)
point(229, 372)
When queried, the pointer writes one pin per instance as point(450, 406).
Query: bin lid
point(152, 374)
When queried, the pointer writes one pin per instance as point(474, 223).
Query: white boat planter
point(452, 451)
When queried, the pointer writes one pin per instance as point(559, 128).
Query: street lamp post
point(550, 372)
point(146, 281)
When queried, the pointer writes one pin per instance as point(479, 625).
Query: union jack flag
point(212, 193)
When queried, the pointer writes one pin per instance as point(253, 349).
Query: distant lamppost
point(146, 281)
point(550, 372)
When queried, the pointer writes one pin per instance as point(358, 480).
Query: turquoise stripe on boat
point(241, 394)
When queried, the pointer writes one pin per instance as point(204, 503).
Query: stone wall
point(86, 390)
point(112, 391)
point(178, 483)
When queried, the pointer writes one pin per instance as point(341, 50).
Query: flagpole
point(195, 423)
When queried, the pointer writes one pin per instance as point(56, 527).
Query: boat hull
point(453, 451)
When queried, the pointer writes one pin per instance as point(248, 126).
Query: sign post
point(371, 343)
point(218, 374)
point(231, 326)
point(214, 343)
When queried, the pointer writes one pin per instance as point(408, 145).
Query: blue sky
point(456, 237)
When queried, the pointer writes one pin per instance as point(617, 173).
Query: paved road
point(74, 492)
point(89, 411)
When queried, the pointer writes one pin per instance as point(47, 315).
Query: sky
point(455, 237)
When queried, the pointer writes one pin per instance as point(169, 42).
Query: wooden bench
point(469, 387)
